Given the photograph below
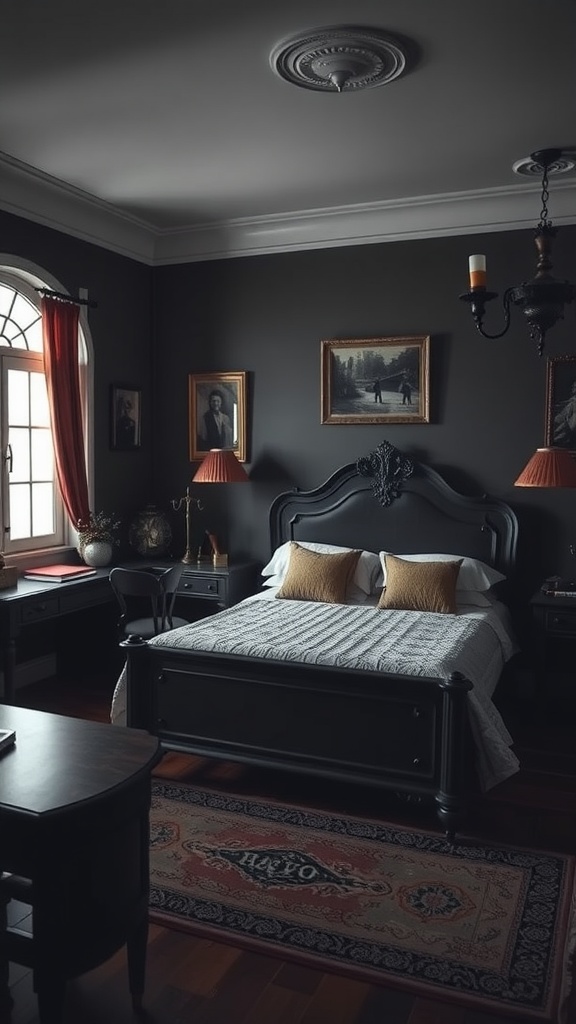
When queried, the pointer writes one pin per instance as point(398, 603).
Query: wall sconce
point(219, 467)
point(542, 299)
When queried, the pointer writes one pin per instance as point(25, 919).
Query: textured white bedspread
point(476, 642)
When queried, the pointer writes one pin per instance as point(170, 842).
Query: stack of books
point(557, 587)
point(58, 573)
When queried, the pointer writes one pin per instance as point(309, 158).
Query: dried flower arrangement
point(100, 526)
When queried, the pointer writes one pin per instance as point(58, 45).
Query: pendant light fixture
point(542, 299)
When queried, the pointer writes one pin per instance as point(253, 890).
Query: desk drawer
point(40, 608)
point(561, 623)
point(202, 586)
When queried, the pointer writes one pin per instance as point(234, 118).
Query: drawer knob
point(416, 762)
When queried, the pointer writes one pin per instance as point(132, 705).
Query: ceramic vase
point(97, 553)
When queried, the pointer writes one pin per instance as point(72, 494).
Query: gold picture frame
point(561, 402)
point(376, 380)
point(223, 394)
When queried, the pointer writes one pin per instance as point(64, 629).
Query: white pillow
point(472, 597)
point(473, 575)
point(367, 576)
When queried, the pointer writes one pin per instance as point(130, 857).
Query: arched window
point(33, 515)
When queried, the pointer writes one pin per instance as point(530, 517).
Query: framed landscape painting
point(561, 402)
point(376, 380)
point(217, 413)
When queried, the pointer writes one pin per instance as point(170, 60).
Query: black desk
point(32, 602)
point(74, 839)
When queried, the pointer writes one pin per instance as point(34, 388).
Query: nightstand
point(222, 586)
point(554, 620)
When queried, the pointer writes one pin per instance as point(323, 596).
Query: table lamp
point(220, 466)
point(549, 467)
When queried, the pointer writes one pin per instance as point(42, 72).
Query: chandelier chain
point(544, 222)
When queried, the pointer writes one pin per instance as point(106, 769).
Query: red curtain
point(60, 333)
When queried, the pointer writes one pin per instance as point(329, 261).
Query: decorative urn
point(150, 533)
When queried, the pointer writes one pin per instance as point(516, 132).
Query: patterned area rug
point(480, 925)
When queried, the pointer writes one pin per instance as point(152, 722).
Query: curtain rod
point(67, 298)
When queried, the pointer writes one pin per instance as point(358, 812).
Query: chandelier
point(542, 299)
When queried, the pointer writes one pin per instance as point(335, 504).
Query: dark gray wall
point(121, 334)
point(267, 315)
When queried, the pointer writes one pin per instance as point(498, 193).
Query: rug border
point(562, 990)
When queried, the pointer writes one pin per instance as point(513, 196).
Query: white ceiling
point(158, 128)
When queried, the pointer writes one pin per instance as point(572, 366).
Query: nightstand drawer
point(203, 586)
point(562, 623)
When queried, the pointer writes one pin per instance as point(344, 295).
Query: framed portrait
point(125, 418)
point(376, 380)
point(217, 413)
point(561, 402)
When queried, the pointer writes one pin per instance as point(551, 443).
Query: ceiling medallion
point(340, 59)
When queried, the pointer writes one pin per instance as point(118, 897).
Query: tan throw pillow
point(318, 577)
point(420, 586)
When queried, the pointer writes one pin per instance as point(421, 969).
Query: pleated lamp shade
point(220, 467)
point(549, 467)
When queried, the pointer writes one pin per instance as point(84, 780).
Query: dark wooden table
point(74, 843)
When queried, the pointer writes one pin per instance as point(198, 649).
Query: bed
point(405, 705)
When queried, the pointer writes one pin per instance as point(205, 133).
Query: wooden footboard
point(406, 734)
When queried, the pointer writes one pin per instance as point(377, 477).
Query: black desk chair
point(134, 588)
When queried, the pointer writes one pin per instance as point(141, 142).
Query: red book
point(58, 573)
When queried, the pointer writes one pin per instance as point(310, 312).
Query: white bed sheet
point(478, 641)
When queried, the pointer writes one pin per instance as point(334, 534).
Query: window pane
point(19, 440)
point(42, 509)
point(34, 337)
point(19, 511)
point(23, 312)
point(42, 455)
point(6, 298)
point(40, 415)
point(14, 334)
point(18, 401)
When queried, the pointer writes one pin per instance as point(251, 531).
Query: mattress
point(476, 642)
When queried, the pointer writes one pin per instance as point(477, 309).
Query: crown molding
point(36, 196)
point(30, 193)
point(458, 213)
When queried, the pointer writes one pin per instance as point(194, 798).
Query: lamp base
point(219, 561)
point(188, 558)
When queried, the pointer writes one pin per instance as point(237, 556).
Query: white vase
point(97, 553)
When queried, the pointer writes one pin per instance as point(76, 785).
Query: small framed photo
point(126, 423)
point(561, 402)
point(376, 380)
point(217, 413)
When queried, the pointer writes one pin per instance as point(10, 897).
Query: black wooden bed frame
point(405, 734)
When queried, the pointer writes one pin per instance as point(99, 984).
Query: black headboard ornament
point(389, 467)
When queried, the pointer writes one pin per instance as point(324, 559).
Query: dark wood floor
point(196, 981)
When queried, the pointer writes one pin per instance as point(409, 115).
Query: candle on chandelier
point(477, 270)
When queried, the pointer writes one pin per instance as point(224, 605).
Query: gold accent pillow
point(318, 577)
point(420, 586)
